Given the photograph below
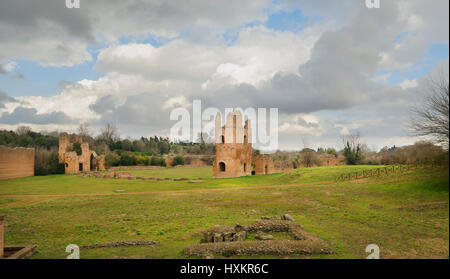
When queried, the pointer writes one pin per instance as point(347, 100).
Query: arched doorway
point(222, 166)
point(92, 162)
point(265, 169)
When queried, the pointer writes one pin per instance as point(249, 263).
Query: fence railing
point(391, 169)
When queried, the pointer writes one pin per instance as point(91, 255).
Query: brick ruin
point(263, 164)
point(74, 163)
point(16, 162)
point(234, 153)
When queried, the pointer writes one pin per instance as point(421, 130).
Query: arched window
point(223, 139)
point(245, 167)
point(222, 166)
point(245, 139)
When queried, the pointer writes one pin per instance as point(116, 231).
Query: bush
point(143, 160)
point(127, 160)
point(178, 160)
point(157, 161)
point(372, 162)
point(112, 159)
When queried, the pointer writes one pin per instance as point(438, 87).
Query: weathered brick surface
point(74, 163)
point(233, 147)
point(16, 162)
point(263, 164)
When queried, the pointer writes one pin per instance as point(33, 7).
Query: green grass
point(71, 184)
point(405, 214)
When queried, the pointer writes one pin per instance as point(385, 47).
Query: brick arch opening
point(91, 162)
point(222, 166)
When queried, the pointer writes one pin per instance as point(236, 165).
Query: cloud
point(49, 33)
point(4, 98)
point(406, 84)
point(325, 79)
point(104, 104)
point(256, 55)
point(29, 115)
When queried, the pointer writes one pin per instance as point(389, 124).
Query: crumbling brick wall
point(16, 162)
point(74, 163)
point(233, 147)
point(263, 164)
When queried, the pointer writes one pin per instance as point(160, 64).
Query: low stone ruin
point(227, 240)
point(112, 174)
point(224, 234)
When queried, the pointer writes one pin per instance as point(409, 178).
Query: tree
point(23, 130)
point(307, 157)
point(83, 130)
point(353, 151)
point(432, 118)
point(109, 132)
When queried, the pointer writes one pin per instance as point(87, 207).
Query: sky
point(332, 68)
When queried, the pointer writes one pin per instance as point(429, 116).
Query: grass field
point(406, 215)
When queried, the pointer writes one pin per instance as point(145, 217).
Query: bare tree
point(307, 156)
point(23, 130)
point(83, 130)
point(431, 118)
point(109, 132)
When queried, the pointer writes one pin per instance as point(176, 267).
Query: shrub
point(127, 160)
point(157, 161)
point(143, 160)
point(112, 159)
point(178, 160)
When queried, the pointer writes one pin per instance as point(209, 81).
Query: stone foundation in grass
point(227, 240)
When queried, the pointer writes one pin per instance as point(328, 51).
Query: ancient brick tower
point(233, 147)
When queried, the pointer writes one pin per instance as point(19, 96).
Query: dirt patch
point(424, 206)
point(375, 206)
